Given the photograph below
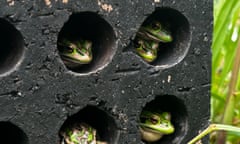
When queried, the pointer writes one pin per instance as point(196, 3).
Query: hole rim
point(101, 58)
point(179, 118)
point(15, 50)
point(103, 120)
point(182, 37)
point(20, 136)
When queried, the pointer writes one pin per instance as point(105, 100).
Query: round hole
point(12, 46)
point(81, 29)
point(11, 134)
point(172, 52)
point(177, 109)
point(104, 125)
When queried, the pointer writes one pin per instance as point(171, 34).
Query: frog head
point(154, 125)
point(76, 52)
point(147, 50)
point(155, 31)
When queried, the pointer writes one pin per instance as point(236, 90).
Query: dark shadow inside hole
point(11, 48)
point(11, 134)
point(98, 119)
point(169, 103)
point(171, 53)
point(90, 26)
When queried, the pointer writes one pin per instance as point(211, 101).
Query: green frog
point(75, 53)
point(148, 39)
point(147, 50)
point(154, 125)
point(80, 133)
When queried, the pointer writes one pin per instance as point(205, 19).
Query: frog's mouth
point(77, 59)
point(150, 136)
point(154, 36)
point(146, 128)
point(157, 129)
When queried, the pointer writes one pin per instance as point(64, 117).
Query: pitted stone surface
point(41, 93)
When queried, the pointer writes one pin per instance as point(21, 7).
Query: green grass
point(225, 92)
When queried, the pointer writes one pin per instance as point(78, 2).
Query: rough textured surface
point(40, 93)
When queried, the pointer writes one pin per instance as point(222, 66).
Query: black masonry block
point(39, 94)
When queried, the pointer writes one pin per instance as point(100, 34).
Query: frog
point(81, 133)
point(154, 125)
point(148, 39)
point(147, 50)
point(75, 53)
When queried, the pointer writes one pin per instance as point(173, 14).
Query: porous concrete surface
point(40, 93)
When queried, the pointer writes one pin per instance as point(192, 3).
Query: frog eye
point(154, 119)
point(156, 25)
point(68, 49)
point(138, 43)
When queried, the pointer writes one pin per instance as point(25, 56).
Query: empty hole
point(103, 123)
point(173, 52)
point(89, 26)
point(11, 134)
point(11, 48)
point(177, 109)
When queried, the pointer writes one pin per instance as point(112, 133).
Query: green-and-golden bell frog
point(76, 53)
point(148, 39)
point(80, 134)
point(154, 125)
point(147, 50)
